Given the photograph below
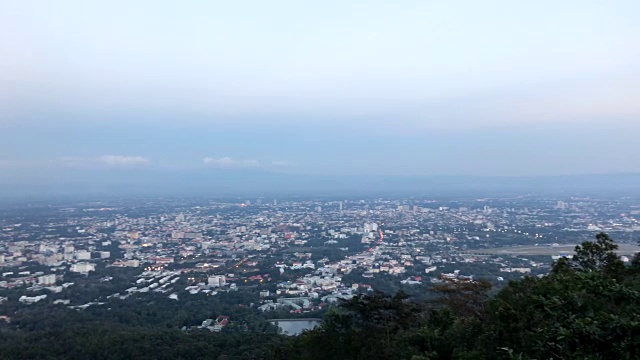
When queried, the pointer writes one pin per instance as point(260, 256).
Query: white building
point(105, 254)
point(132, 263)
point(217, 280)
point(370, 227)
point(68, 248)
point(83, 255)
point(31, 300)
point(520, 270)
point(47, 279)
point(83, 267)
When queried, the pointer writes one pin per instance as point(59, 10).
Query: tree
point(586, 308)
point(366, 327)
point(599, 255)
point(465, 298)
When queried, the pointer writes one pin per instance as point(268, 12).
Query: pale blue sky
point(332, 87)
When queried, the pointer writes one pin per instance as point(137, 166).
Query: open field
point(623, 249)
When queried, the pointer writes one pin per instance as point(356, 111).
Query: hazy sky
point(320, 87)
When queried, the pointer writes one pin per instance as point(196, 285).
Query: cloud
point(104, 160)
point(119, 160)
point(224, 161)
point(229, 162)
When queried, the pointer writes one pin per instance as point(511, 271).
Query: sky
point(307, 88)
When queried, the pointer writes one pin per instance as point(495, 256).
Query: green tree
point(586, 308)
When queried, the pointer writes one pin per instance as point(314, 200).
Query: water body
point(294, 327)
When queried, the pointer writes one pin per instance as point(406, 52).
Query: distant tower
point(340, 206)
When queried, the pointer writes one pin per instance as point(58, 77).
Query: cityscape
point(287, 258)
point(305, 180)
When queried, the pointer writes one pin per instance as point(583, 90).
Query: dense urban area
point(276, 266)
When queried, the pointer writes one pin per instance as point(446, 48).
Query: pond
point(294, 327)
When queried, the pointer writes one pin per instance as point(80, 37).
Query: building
point(127, 263)
point(47, 279)
point(217, 280)
point(83, 255)
point(370, 227)
point(31, 300)
point(221, 322)
point(132, 263)
point(68, 248)
point(83, 267)
point(162, 260)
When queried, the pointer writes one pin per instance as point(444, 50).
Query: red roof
point(222, 320)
